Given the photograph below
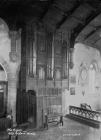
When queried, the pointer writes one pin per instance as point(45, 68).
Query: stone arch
point(11, 68)
point(5, 67)
point(3, 25)
point(4, 40)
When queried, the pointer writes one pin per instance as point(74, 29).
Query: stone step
point(83, 120)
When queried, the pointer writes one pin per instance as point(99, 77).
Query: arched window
point(92, 72)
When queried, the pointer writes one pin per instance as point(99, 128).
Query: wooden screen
point(3, 98)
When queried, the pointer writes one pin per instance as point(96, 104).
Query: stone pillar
point(14, 65)
point(12, 88)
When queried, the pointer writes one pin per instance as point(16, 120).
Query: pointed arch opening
point(3, 91)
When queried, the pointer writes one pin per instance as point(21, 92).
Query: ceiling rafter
point(79, 20)
point(95, 30)
point(96, 41)
point(46, 10)
point(95, 13)
point(88, 35)
point(95, 4)
point(68, 14)
point(78, 29)
point(88, 44)
point(60, 10)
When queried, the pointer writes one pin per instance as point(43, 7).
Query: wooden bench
point(53, 116)
point(53, 119)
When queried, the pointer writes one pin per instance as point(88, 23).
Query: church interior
point(50, 69)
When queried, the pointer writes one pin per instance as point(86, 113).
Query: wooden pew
point(53, 118)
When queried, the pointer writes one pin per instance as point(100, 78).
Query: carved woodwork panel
point(15, 45)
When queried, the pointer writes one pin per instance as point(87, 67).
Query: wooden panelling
point(5, 123)
point(26, 107)
point(3, 98)
point(22, 77)
point(51, 53)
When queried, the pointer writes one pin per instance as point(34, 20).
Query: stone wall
point(83, 57)
point(10, 43)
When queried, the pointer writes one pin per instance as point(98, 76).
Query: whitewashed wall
point(84, 54)
point(10, 67)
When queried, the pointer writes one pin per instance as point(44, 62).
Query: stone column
point(14, 64)
point(12, 90)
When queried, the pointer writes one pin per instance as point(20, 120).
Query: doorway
point(3, 92)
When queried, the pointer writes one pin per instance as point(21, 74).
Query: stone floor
point(71, 130)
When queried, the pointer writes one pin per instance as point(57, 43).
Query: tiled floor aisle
point(71, 130)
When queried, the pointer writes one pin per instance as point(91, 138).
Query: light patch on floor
point(71, 130)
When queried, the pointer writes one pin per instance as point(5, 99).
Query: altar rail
point(85, 113)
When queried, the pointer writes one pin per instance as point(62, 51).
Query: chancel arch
point(10, 41)
point(4, 67)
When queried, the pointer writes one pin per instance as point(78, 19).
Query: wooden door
point(3, 98)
